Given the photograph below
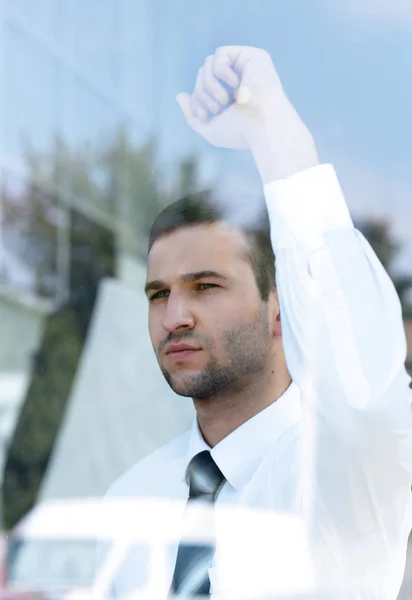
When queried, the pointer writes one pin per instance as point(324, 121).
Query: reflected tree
point(109, 197)
point(379, 234)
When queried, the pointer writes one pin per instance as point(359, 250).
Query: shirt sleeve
point(342, 328)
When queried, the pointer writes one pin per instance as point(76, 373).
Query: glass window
point(42, 18)
point(48, 564)
point(30, 96)
point(93, 145)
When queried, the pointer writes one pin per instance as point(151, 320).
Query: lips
point(180, 351)
point(180, 348)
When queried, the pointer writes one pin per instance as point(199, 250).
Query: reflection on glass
point(45, 564)
point(92, 148)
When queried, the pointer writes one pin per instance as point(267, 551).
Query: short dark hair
point(249, 215)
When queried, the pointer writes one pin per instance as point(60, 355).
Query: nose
point(178, 315)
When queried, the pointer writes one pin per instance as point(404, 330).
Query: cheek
point(222, 324)
point(155, 330)
point(235, 313)
point(238, 320)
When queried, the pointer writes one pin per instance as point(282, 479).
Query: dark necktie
point(191, 577)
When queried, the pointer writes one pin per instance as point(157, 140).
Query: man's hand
point(261, 118)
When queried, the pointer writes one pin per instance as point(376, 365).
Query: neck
point(218, 416)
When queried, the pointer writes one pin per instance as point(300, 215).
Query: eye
point(160, 294)
point(207, 286)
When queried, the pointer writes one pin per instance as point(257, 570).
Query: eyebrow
point(158, 284)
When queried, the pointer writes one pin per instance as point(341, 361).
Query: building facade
point(92, 144)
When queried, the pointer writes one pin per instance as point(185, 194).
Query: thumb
point(183, 101)
point(244, 96)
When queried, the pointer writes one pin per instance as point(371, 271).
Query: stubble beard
point(246, 351)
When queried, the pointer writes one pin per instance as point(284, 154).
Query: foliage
point(117, 185)
point(379, 234)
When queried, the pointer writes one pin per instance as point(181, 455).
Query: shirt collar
point(239, 454)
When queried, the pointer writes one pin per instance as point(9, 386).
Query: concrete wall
point(120, 407)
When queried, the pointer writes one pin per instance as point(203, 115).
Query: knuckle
point(199, 77)
point(265, 54)
point(208, 81)
point(202, 98)
point(208, 100)
point(220, 52)
point(219, 69)
point(197, 94)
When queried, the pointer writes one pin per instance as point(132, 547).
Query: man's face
point(208, 325)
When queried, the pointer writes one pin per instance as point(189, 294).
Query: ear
point(276, 321)
point(277, 330)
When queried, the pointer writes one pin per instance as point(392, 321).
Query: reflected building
point(79, 115)
point(92, 145)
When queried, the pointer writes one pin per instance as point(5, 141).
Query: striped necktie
point(190, 577)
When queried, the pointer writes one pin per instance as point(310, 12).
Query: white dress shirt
point(331, 459)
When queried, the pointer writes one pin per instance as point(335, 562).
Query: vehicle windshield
point(51, 563)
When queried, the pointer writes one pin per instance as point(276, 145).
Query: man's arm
point(342, 325)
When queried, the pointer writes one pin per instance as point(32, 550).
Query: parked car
point(52, 551)
point(8, 594)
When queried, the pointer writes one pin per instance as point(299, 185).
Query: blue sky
point(346, 65)
point(347, 68)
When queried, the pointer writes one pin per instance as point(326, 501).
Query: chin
point(196, 383)
point(181, 384)
point(193, 388)
point(182, 389)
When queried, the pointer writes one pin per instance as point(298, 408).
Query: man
point(302, 399)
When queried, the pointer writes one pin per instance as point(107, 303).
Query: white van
point(53, 549)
